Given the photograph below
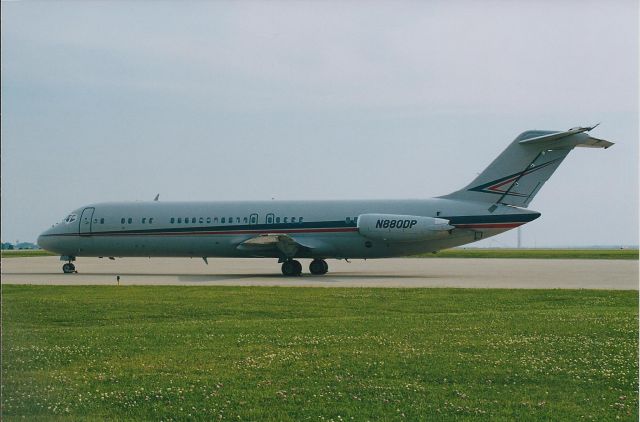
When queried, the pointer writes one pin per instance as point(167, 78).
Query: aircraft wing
point(285, 244)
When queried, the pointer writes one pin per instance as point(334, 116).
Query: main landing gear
point(318, 267)
point(292, 267)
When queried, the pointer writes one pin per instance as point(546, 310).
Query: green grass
point(269, 353)
point(25, 253)
point(536, 253)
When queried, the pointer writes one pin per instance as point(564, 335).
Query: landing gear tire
point(68, 268)
point(291, 268)
point(318, 267)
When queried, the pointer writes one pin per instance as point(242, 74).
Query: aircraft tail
point(517, 174)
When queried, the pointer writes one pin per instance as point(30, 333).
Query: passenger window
point(193, 220)
point(95, 220)
point(144, 219)
point(230, 220)
point(293, 219)
point(186, 220)
point(130, 220)
point(150, 220)
point(179, 220)
point(122, 220)
point(222, 220)
point(208, 220)
point(277, 219)
point(173, 220)
point(348, 220)
point(215, 219)
point(201, 220)
point(102, 221)
point(238, 220)
point(300, 220)
point(245, 220)
point(285, 219)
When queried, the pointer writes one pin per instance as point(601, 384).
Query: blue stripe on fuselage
point(453, 220)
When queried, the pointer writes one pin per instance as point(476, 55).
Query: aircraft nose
point(44, 240)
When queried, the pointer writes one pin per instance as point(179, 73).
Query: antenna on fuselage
point(157, 197)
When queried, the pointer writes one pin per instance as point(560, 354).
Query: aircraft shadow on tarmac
point(328, 278)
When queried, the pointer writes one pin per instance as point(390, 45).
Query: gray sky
point(107, 101)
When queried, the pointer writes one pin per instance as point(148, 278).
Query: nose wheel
point(291, 268)
point(318, 267)
point(68, 268)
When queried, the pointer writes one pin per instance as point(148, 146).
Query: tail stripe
point(495, 185)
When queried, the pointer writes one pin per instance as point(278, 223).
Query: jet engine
point(402, 228)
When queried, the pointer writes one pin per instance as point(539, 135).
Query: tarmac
point(394, 272)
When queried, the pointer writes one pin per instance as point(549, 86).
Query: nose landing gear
point(68, 268)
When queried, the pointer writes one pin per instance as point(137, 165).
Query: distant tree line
point(21, 245)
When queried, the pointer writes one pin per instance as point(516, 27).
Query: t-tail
point(516, 175)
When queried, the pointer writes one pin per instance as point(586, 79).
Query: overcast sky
point(106, 101)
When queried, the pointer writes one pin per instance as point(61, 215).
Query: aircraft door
point(85, 220)
point(253, 219)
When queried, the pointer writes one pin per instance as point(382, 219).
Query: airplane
point(494, 202)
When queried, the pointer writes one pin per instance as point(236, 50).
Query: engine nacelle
point(402, 228)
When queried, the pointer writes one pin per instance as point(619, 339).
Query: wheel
point(318, 267)
point(291, 268)
point(298, 267)
point(68, 268)
point(287, 268)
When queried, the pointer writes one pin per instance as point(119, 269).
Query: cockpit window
point(70, 218)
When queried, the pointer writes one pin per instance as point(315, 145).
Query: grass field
point(25, 253)
point(251, 353)
point(466, 253)
point(536, 253)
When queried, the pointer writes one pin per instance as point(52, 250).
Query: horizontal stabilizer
point(584, 142)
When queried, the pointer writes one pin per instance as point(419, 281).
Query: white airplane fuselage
point(217, 229)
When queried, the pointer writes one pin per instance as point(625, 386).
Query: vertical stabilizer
point(516, 175)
